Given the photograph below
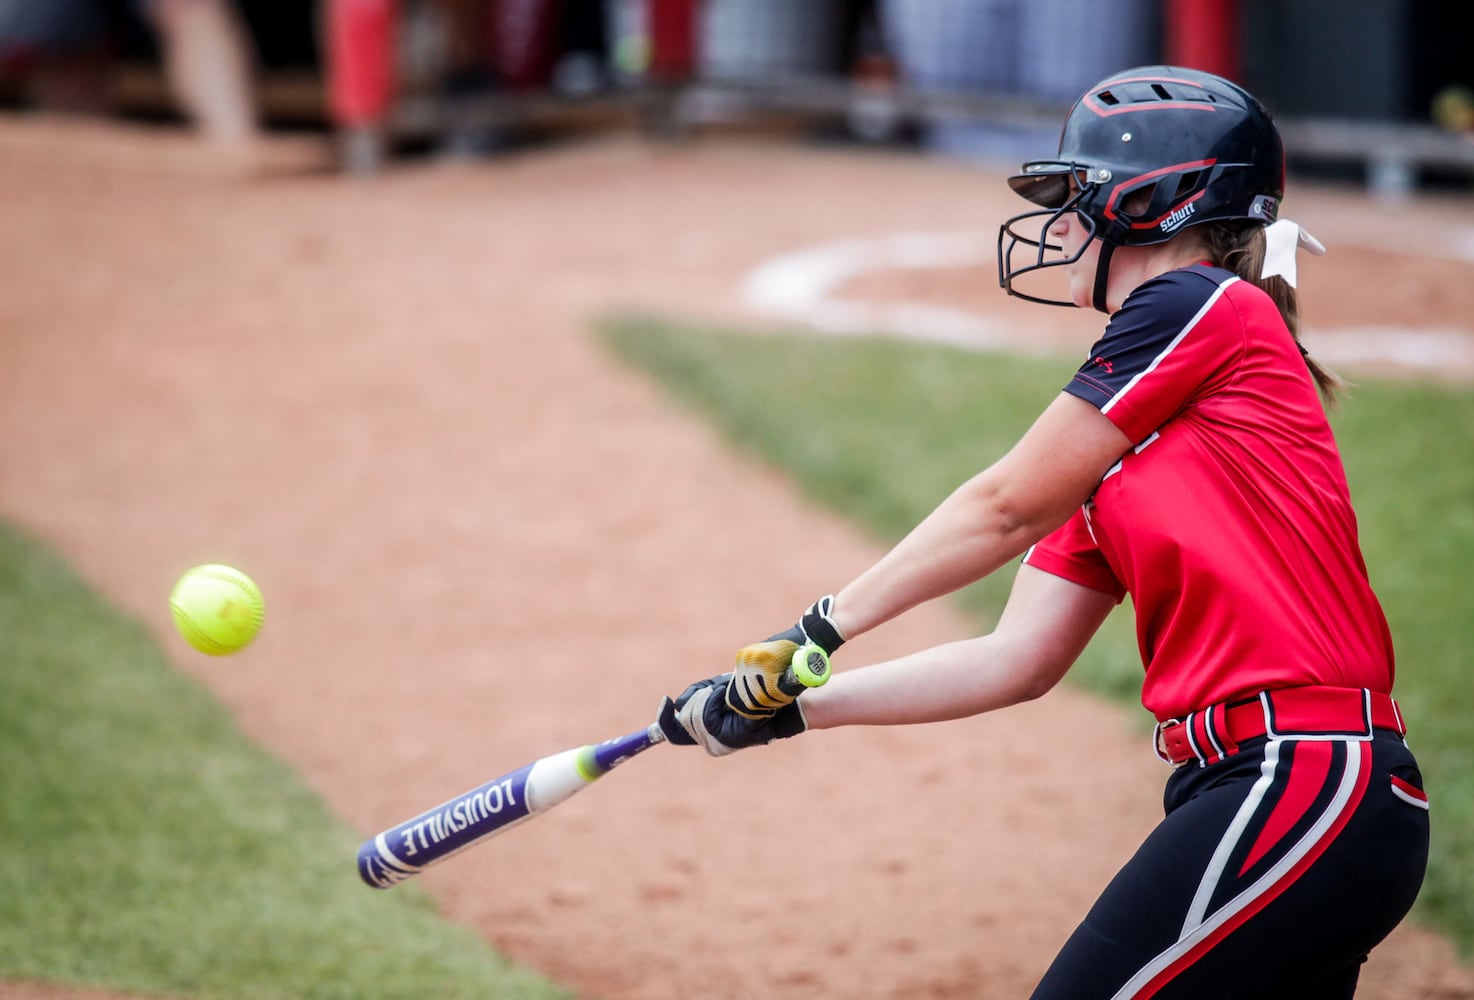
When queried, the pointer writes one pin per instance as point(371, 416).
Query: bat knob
point(810, 666)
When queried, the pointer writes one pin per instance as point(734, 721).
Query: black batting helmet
point(1183, 147)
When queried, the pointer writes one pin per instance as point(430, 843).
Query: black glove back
point(701, 717)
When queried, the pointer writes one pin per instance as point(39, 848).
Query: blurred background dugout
point(1381, 91)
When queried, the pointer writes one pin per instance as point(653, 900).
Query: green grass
point(1408, 454)
point(146, 846)
point(880, 431)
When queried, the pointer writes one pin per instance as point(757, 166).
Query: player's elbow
point(1037, 680)
point(1017, 515)
point(1032, 667)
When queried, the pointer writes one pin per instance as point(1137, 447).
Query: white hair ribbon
point(1281, 239)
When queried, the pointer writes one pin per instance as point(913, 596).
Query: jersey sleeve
point(1171, 337)
point(1070, 552)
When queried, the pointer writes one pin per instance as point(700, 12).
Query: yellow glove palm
point(758, 687)
point(766, 677)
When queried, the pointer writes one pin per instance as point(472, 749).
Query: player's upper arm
point(1054, 468)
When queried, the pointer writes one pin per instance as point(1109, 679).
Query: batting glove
point(700, 718)
point(759, 687)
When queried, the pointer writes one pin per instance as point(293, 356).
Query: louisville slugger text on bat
point(403, 851)
point(500, 804)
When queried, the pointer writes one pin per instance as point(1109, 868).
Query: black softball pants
point(1273, 874)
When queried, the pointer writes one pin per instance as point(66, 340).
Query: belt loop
point(1202, 734)
point(1189, 726)
point(1211, 752)
point(1268, 708)
point(1397, 714)
point(1218, 732)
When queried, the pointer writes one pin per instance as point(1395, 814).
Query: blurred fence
point(977, 78)
point(962, 76)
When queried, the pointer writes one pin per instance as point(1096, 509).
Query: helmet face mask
point(1143, 155)
point(1031, 229)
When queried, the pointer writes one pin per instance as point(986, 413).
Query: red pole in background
point(672, 40)
point(1203, 34)
point(360, 73)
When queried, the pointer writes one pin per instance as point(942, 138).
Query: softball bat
point(407, 849)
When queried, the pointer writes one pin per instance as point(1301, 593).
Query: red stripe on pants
point(1312, 762)
point(1272, 892)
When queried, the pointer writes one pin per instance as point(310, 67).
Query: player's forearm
point(951, 681)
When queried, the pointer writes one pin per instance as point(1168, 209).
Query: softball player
point(1190, 465)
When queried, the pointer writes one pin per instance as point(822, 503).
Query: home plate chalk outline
point(804, 286)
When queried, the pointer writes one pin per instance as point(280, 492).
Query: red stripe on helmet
point(1140, 179)
point(1151, 79)
point(1105, 112)
point(1152, 223)
point(1144, 106)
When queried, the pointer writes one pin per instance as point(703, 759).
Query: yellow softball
point(218, 609)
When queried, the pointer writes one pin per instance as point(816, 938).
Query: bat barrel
point(436, 834)
point(403, 851)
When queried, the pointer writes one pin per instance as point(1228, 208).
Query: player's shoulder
point(1190, 286)
point(1177, 298)
point(1166, 301)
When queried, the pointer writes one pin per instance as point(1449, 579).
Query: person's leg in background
point(469, 75)
point(210, 62)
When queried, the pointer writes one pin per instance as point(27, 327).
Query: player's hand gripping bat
point(407, 849)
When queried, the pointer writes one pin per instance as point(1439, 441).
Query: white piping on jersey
point(1193, 935)
point(1137, 448)
point(1089, 524)
point(1212, 300)
point(1090, 504)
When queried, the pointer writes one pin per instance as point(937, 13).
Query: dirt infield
point(481, 540)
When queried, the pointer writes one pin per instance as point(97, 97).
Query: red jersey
point(1230, 521)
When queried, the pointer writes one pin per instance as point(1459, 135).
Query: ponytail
point(1239, 246)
